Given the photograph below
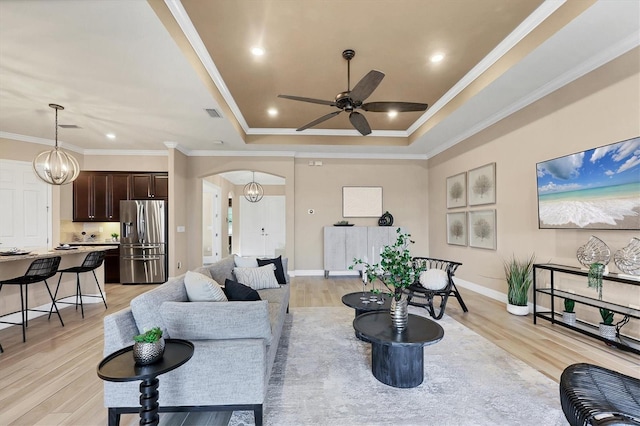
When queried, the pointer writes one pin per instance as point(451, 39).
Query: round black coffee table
point(120, 367)
point(397, 359)
point(353, 300)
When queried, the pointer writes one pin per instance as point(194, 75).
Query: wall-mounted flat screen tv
point(594, 189)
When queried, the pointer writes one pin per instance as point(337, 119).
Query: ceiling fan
point(352, 100)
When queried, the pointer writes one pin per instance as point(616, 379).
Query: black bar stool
point(39, 270)
point(90, 264)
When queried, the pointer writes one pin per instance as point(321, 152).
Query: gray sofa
point(235, 347)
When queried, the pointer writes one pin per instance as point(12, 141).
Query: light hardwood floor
point(51, 379)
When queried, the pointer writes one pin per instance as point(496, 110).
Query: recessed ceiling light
point(257, 51)
point(272, 112)
point(437, 57)
point(392, 114)
point(110, 135)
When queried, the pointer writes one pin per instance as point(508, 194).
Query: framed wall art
point(481, 186)
point(457, 228)
point(593, 189)
point(457, 190)
point(361, 201)
point(482, 229)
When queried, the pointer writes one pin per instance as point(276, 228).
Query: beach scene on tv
point(594, 189)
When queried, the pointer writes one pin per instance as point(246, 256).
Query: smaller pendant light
point(253, 191)
point(56, 167)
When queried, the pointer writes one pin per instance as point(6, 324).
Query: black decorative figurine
point(385, 220)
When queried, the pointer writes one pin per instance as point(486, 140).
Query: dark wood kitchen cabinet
point(149, 186)
point(112, 266)
point(96, 197)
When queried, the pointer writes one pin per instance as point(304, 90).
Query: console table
point(623, 342)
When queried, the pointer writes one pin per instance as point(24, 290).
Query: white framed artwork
point(457, 190)
point(457, 228)
point(361, 201)
point(482, 229)
point(481, 185)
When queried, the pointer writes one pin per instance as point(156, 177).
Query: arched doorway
point(250, 228)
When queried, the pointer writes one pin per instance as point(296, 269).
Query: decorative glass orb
point(595, 250)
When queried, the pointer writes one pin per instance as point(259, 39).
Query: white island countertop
point(38, 254)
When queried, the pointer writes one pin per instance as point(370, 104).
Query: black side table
point(120, 367)
point(353, 300)
point(397, 358)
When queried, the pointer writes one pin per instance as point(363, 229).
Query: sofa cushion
point(245, 261)
point(146, 306)
point(279, 271)
point(210, 320)
point(257, 278)
point(201, 288)
point(222, 269)
point(236, 291)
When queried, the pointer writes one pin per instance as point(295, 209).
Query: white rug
point(322, 376)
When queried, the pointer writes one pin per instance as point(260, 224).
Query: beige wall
point(600, 108)
point(404, 194)
point(180, 244)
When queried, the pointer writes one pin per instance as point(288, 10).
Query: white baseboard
point(320, 273)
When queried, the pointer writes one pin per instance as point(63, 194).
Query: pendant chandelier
point(253, 191)
point(56, 167)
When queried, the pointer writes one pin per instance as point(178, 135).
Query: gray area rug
point(322, 376)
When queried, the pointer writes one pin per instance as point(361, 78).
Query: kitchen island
point(16, 265)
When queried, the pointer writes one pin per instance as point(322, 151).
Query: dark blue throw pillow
point(280, 276)
point(239, 292)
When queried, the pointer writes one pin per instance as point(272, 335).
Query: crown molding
point(326, 132)
point(614, 51)
point(128, 152)
point(181, 17)
point(362, 156)
point(528, 25)
point(41, 141)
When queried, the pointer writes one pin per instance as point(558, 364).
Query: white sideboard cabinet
point(344, 243)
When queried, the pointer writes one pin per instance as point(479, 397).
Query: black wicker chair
point(423, 297)
point(89, 264)
point(597, 396)
point(39, 270)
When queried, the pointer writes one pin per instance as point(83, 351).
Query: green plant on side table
point(519, 278)
point(569, 316)
point(148, 347)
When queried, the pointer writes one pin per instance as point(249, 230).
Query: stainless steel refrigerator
point(143, 242)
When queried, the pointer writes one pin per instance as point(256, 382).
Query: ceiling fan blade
point(311, 100)
point(318, 120)
point(360, 123)
point(366, 86)
point(394, 106)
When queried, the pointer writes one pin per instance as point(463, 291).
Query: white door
point(211, 223)
point(262, 226)
point(25, 219)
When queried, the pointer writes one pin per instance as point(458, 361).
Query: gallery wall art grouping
point(475, 227)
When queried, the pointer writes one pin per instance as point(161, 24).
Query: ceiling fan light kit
point(352, 100)
point(56, 167)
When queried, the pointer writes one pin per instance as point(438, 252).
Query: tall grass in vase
point(519, 276)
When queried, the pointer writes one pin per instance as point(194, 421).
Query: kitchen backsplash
point(87, 232)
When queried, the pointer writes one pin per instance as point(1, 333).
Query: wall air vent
point(213, 113)
point(69, 126)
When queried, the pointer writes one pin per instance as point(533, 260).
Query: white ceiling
point(116, 68)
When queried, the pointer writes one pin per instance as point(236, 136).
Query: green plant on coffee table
point(569, 305)
point(395, 269)
point(149, 336)
point(519, 278)
point(607, 316)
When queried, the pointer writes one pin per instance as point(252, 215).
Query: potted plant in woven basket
point(606, 327)
point(519, 278)
point(397, 272)
point(568, 315)
point(148, 347)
